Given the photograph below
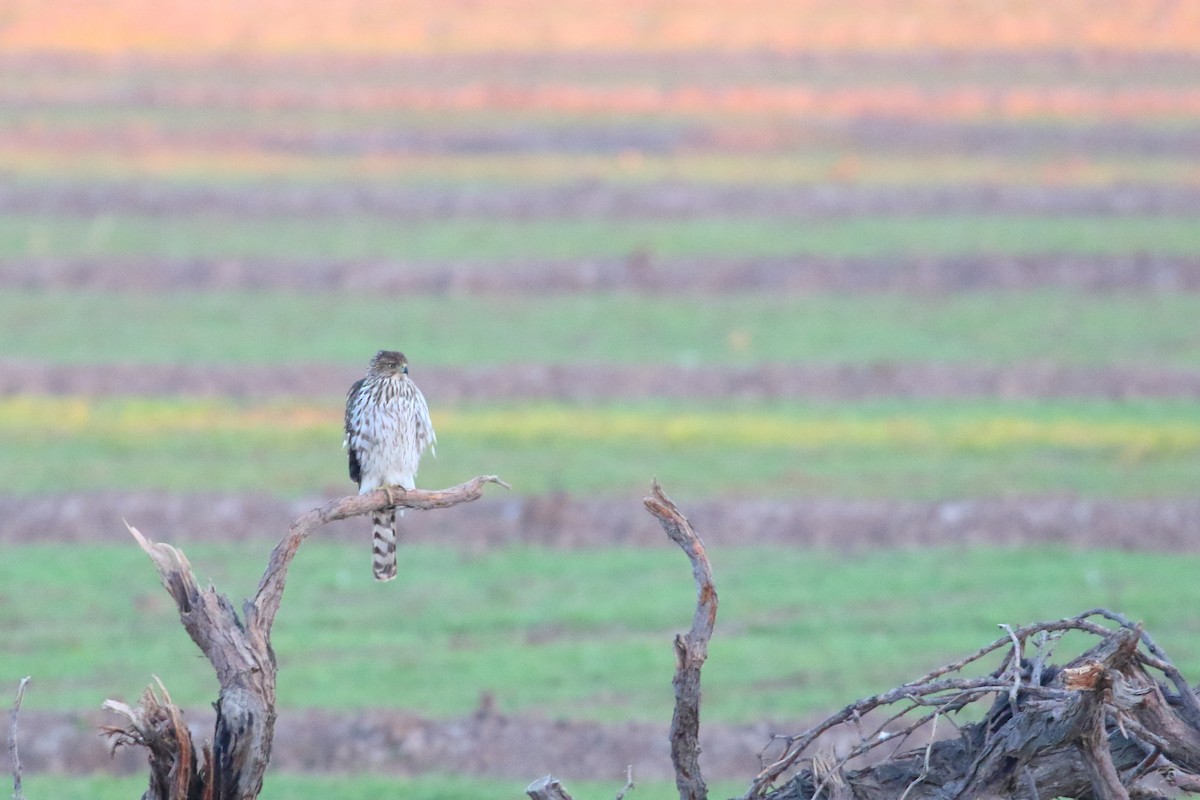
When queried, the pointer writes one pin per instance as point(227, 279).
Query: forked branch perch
point(260, 612)
point(691, 649)
point(240, 652)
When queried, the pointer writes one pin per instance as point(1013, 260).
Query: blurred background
point(898, 300)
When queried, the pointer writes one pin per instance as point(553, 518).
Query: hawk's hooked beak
point(404, 369)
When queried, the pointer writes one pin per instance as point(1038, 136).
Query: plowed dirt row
point(573, 522)
point(640, 272)
point(600, 382)
point(592, 200)
point(520, 748)
point(878, 134)
point(720, 66)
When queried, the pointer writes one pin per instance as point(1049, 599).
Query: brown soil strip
point(592, 200)
point(520, 748)
point(1060, 146)
point(724, 66)
point(637, 272)
point(565, 521)
point(603, 382)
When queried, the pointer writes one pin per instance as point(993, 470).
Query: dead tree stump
point(239, 649)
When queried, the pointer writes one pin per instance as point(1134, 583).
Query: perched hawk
point(387, 429)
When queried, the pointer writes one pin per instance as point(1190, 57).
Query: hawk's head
point(389, 364)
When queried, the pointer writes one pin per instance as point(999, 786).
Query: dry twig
point(629, 785)
point(14, 756)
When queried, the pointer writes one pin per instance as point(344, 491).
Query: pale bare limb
point(691, 649)
point(1014, 662)
point(629, 784)
point(260, 611)
point(14, 756)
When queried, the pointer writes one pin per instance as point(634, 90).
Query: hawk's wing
point(424, 426)
point(351, 397)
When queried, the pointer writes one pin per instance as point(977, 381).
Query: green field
point(545, 632)
point(726, 330)
point(215, 235)
point(900, 449)
point(138, 189)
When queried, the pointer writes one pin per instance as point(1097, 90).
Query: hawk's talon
point(388, 491)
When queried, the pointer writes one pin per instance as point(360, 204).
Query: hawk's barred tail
point(383, 532)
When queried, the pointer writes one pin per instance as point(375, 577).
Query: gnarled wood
point(691, 649)
point(1091, 729)
point(157, 725)
point(240, 653)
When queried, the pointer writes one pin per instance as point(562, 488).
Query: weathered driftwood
point(239, 650)
point(1095, 728)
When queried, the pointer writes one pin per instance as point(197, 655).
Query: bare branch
point(925, 763)
point(240, 653)
point(260, 612)
point(691, 649)
point(13, 756)
point(629, 784)
point(1014, 663)
point(1159, 661)
point(1181, 780)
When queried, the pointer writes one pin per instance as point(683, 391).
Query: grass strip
point(901, 449)
point(545, 632)
point(215, 235)
point(1044, 327)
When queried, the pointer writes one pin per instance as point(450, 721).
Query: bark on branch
point(691, 649)
point(239, 649)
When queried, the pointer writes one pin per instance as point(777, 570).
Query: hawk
point(387, 430)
